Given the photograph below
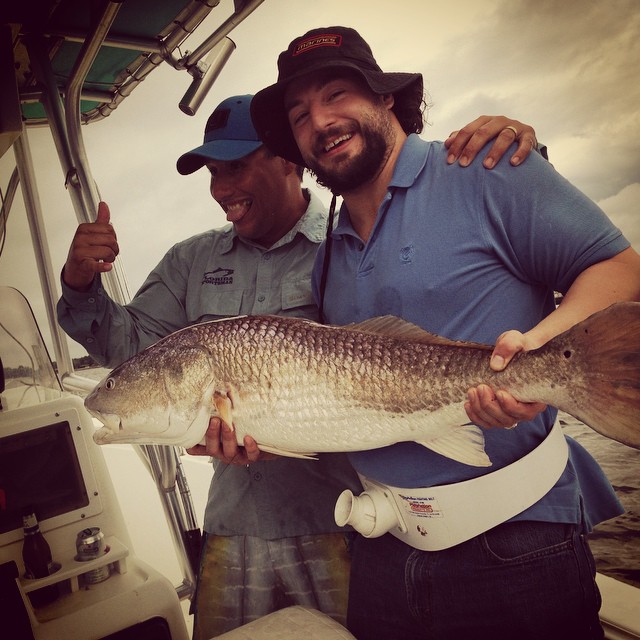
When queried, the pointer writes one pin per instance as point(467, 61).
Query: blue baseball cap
point(228, 135)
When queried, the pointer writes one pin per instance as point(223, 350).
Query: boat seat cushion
point(291, 623)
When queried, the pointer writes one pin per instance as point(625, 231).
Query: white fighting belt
point(435, 518)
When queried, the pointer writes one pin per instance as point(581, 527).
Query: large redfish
point(299, 387)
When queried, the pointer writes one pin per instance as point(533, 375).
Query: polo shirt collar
point(410, 163)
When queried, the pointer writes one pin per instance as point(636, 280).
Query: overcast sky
point(571, 68)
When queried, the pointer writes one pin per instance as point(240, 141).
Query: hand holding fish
point(93, 250)
point(489, 408)
point(221, 443)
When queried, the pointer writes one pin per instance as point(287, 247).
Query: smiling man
point(471, 255)
point(270, 536)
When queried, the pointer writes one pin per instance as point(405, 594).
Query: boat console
point(48, 461)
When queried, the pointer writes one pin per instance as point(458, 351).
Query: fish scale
point(362, 369)
point(300, 388)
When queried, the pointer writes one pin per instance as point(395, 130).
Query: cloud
point(570, 69)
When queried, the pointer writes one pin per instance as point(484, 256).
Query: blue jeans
point(521, 580)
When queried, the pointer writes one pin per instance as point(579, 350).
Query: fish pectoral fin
point(289, 454)
point(224, 407)
point(464, 444)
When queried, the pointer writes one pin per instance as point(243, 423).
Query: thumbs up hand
point(93, 250)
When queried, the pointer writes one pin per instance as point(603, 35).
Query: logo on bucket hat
point(324, 40)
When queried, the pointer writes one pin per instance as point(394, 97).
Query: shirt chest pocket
point(218, 304)
point(291, 298)
point(297, 299)
point(296, 293)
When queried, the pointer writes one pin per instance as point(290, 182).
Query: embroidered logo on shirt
point(407, 253)
point(219, 276)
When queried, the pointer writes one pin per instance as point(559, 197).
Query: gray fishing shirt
point(217, 274)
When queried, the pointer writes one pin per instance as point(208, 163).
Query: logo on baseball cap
point(228, 135)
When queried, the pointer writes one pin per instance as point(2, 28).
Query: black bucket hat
point(326, 47)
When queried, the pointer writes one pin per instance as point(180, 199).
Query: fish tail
point(608, 393)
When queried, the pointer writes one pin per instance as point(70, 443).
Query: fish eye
point(110, 383)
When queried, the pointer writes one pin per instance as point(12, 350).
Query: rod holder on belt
point(372, 514)
point(439, 517)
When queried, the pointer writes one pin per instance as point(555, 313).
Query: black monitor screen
point(39, 468)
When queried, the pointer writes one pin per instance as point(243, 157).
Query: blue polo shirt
point(468, 254)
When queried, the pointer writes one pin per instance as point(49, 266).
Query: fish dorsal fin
point(395, 327)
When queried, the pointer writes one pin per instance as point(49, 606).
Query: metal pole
point(73, 93)
point(26, 171)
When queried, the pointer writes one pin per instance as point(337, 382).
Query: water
point(616, 542)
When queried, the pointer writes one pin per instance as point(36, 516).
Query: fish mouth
point(111, 421)
point(105, 435)
point(111, 429)
point(176, 432)
point(114, 430)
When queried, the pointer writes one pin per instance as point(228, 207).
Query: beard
point(351, 173)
